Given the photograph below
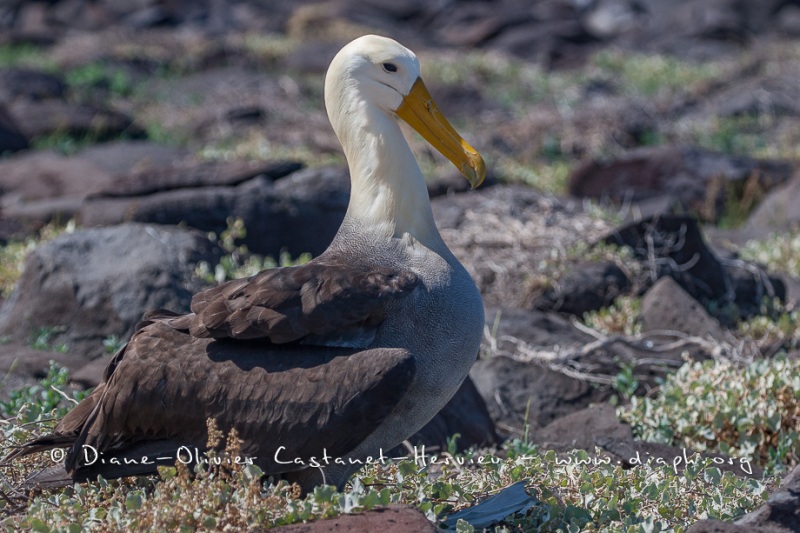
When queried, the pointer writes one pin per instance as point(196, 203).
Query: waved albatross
point(343, 357)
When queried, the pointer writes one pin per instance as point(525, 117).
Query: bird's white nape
point(371, 82)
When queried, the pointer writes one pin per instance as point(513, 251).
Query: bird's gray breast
point(441, 323)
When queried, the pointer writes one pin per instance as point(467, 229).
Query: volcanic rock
point(96, 283)
point(696, 180)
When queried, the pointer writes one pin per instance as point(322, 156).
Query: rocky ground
point(636, 150)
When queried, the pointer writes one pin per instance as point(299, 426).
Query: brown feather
point(283, 305)
point(308, 399)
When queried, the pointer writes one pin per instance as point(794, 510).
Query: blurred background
point(543, 88)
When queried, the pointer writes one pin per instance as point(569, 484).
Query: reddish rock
point(22, 366)
point(20, 358)
point(57, 117)
point(779, 211)
point(36, 188)
point(666, 306)
point(583, 430)
point(91, 373)
point(47, 175)
point(695, 179)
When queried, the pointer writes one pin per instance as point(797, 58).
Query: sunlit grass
point(26, 55)
point(545, 177)
point(620, 318)
point(655, 75)
point(266, 47)
point(779, 252)
point(256, 145)
point(14, 253)
point(99, 75)
point(765, 137)
point(512, 82)
point(782, 330)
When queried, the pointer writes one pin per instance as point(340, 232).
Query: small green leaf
point(712, 474)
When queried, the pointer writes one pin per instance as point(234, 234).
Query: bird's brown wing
point(280, 356)
point(331, 301)
point(165, 384)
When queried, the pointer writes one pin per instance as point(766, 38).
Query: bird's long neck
point(388, 196)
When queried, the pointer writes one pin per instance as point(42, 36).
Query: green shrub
point(620, 318)
point(238, 261)
point(100, 76)
point(43, 400)
point(568, 492)
point(779, 252)
point(747, 412)
point(782, 329)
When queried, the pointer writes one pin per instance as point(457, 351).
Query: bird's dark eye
point(390, 67)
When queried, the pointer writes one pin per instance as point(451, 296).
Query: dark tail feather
point(140, 459)
point(41, 444)
point(50, 478)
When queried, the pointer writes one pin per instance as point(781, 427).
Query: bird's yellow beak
point(421, 113)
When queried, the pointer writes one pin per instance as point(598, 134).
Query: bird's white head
point(371, 82)
point(379, 73)
point(379, 68)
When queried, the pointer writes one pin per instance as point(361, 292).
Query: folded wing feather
point(241, 357)
point(318, 299)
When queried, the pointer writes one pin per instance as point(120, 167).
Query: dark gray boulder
point(674, 246)
point(513, 389)
point(30, 84)
point(133, 157)
point(297, 213)
point(11, 137)
point(782, 509)
point(98, 282)
point(51, 117)
point(585, 287)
